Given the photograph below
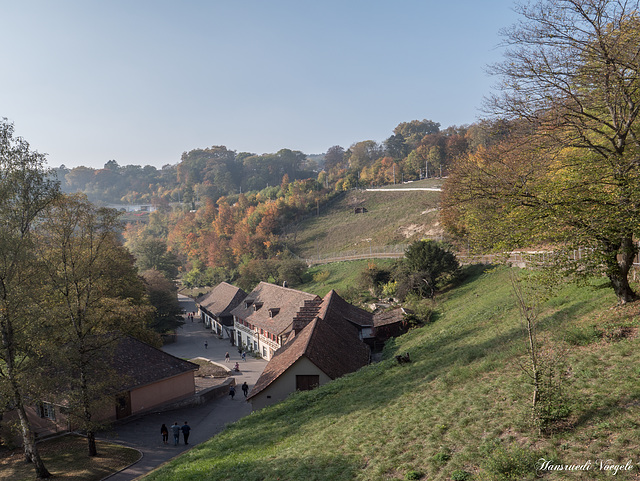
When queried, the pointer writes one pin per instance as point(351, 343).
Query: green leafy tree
point(94, 296)
point(568, 175)
point(413, 132)
point(152, 253)
point(334, 157)
point(426, 264)
point(26, 189)
point(163, 296)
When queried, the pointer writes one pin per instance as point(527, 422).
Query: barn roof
point(222, 299)
point(272, 307)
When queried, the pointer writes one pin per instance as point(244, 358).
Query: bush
point(427, 265)
point(441, 458)
point(321, 277)
point(374, 278)
point(460, 475)
point(511, 463)
point(413, 475)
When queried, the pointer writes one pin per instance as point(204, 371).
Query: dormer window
point(247, 303)
point(257, 306)
point(274, 311)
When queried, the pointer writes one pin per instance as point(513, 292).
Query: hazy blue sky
point(142, 81)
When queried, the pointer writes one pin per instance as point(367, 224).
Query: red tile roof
point(270, 297)
point(384, 318)
point(329, 341)
point(138, 364)
point(222, 299)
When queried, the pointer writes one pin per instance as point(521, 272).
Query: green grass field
point(461, 409)
point(340, 276)
point(392, 218)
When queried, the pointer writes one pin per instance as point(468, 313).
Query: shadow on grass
point(213, 467)
point(611, 407)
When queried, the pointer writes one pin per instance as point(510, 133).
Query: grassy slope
point(392, 218)
point(444, 411)
point(340, 276)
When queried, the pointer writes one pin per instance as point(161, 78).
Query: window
point(46, 410)
point(264, 352)
point(306, 382)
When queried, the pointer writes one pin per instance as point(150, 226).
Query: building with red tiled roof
point(390, 323)
point(216, 306)
point(264, 319)
point(317, 351)
point(148, 378)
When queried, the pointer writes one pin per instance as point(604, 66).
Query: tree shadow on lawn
point(213, 467)
point(381, 384)
point(611, 408)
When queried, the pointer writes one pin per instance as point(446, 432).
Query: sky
point(142, 81)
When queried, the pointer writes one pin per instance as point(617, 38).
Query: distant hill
point(390, 218)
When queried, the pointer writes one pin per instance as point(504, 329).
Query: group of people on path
point(176, 429)
point(244, 387)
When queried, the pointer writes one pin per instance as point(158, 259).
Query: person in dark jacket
point(185, 432)
point(165, 433)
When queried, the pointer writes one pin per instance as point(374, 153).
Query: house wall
point(42, 427)
point(168, 390)
point(255, 341)
point(286, 383)
point(142, 399)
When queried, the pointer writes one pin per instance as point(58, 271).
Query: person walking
point(244, 356)
point(175, 429)
point(165, 433)
point(206, 345)
point(232, 392)
point(226, 356)
point(185, 432)
point(245, 388)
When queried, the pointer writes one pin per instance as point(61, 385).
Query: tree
point(26, 189)
point(396, 146)
point(568, 173)
point(426, 263)
point(152, 253)
point(363, 154)
point(94, 296)
point(334, 157)
point(163, 296)
point(413, 132)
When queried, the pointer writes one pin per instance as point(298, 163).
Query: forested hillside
point(224, 216)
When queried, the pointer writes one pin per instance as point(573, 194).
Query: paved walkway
point(143, 432)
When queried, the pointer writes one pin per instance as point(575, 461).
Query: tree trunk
point(86, 412)
point(91, 443)
point(30, 450)
point(620, 263)
point(28, 438)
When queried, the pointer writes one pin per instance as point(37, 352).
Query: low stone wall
point(201, 397)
